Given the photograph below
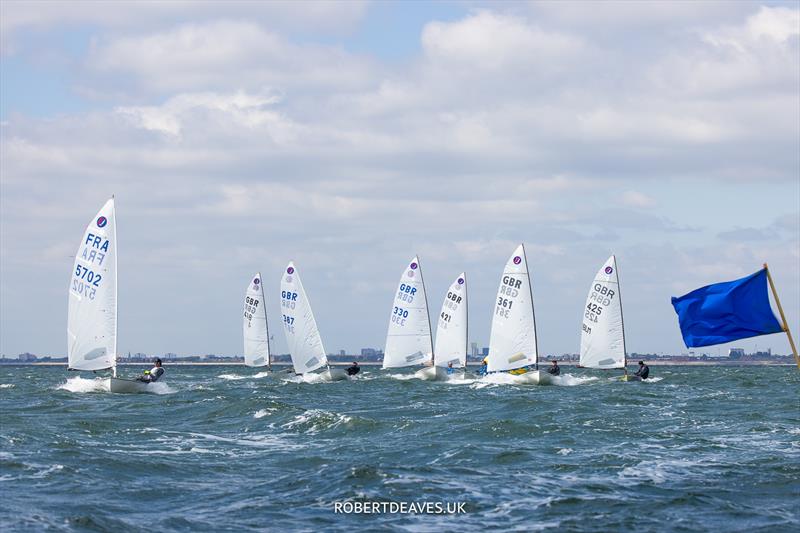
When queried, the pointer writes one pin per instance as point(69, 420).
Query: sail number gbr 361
point(509, 290)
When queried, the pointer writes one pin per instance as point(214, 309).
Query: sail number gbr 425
point(601, 297)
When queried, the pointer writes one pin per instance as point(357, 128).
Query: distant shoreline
point(376, 363)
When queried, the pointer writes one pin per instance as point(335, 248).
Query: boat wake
point(402, 377)
point(568, 380)
point(498, 378)
point(503, 378)
point(236, 377)
point(461, 380)
point(313, 377)
point(81, 385)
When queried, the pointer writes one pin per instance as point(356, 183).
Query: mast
point(427, 314)
point(533, 312)
point(116, 293)
point(621, 316)
point(266, 321)
point(466, 323)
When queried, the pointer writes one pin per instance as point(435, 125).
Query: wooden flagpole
point(783, 317)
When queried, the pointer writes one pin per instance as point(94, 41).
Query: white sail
point(512, 343)
point(408, 341)
point(602, 334)
point(92, 318)
point(256, 335)
point(451, 330)
point(302, 334)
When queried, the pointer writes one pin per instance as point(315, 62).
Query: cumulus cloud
point(247, 110)
point(492, 42)
point(218, 54)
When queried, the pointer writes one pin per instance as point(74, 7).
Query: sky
point(349, 137)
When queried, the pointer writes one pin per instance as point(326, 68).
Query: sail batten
point(299, 325)
point(254, 318)
point(92, 313)
point(408, 339)
point(451, 329)
point(512, 342)
point(602, 331)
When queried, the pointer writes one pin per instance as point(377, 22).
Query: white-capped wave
point(313, 420)
point(7, 386)
point(232, 376)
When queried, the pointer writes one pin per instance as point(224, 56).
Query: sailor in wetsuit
point(554, 370)
point(450, 369)
point(643, 371)
point(482, 371)
point(152, 375)
point(354, 369)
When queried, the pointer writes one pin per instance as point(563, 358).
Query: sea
point(229, 448)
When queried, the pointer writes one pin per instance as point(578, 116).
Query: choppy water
point(231, 449)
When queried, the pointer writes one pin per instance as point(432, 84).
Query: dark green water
point(700, 449)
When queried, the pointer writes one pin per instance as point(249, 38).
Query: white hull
point(329, 374)
point(533, 377)
point(128, 386)
point(436, 373)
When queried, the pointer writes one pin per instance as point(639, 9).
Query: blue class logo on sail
point(609, 270)
point(290, 270)
point(414, 266)
point(517, 260)
point(101, 222)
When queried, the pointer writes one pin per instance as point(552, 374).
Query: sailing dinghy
point(451, 334)
point(255, 328)
point(302, 334)
point(92, 315)
point(512, 345)
point(602, 330)
point(408, 340)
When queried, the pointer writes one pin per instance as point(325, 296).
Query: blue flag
point(726, 312)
